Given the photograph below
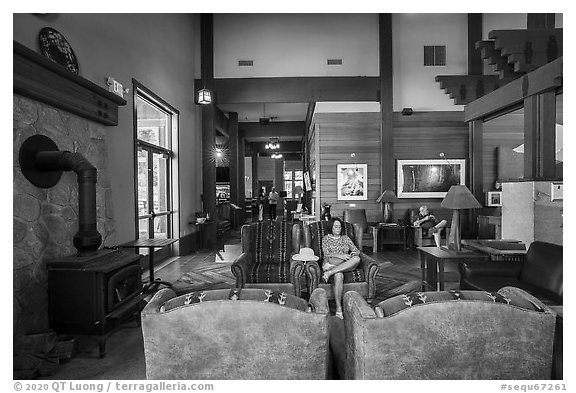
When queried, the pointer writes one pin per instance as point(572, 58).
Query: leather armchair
point(446, 335)
point(358, 216)
point(361, 280)
point(266, 259)
point(235, 334)
point(540, 274)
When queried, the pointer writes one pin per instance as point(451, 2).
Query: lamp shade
point(460, 197)
point(298, 190)
point(387, 196)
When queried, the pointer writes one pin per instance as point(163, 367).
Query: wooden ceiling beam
point(547, 77)
point(296, 89)
point(274, 129)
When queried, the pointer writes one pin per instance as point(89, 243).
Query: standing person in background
point(273, 203)
point(260, 205)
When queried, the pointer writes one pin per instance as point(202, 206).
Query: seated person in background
point(340, 255)
point(427, 221)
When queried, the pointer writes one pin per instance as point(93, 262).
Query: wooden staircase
point(513, 53)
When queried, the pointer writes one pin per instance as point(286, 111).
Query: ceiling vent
point(334, 61)
point(245, 63)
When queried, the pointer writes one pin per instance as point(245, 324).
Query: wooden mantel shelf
point(41, 79)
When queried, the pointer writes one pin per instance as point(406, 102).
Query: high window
point(292, 178)
point(156, 129)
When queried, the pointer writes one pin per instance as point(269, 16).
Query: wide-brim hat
point(306, 254)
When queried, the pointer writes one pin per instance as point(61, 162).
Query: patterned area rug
point(214, 273)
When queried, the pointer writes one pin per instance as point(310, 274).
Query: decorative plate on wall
point(55, 47)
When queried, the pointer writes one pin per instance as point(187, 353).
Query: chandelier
point(273, 144)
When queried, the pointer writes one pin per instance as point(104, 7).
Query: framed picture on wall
point(352, 182)
point(428, 178)
point(494, 198)
point(307, 184)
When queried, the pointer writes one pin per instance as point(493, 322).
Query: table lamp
point(458, 197)
point(388, 198)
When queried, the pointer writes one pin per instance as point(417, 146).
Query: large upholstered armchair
point(266, 259)
point(358, 216)
point(235, 334)
point(445, 335)
point(362, 279)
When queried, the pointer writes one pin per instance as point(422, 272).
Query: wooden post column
point(208, 129)
point(255, 190)
point(234, 163)
point(386, 109)
point(476, 148)
point(241, 176)
point(279, 182)
point(540, 136)
point(475, 62)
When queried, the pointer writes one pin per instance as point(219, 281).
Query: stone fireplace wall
point(45, 220)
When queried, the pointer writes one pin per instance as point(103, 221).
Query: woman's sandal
point(339, 314)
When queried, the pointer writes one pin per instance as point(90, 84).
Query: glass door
point(154, 212)
point(155, 131)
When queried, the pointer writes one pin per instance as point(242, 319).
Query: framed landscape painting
point(428, 178)
point(352, 182)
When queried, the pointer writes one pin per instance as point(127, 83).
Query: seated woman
point(340, 255)
point(426, 220)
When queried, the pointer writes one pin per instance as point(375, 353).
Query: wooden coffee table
point(432, 260)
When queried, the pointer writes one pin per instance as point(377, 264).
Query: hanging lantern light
point(204, 97)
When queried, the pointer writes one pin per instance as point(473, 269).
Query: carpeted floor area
point(399, 272)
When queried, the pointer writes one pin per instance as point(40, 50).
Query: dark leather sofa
point(540, 274)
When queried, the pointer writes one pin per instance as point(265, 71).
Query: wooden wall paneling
point(266, 169)
point(424, 136)
point(338, 135)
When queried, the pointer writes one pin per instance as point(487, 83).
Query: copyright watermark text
point(71, 386)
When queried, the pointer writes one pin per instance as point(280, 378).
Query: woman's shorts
point(327, 266)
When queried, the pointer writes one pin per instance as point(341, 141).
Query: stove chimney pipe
point(42, 164)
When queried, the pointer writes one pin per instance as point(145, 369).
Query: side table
point(432, 260)
point(150, 244)
point(399, 235)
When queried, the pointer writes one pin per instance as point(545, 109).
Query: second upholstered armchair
point(362, 279)
point(266, 260)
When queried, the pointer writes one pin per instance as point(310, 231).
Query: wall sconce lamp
point(388, 198)
point(204, 96)
point(458, 197)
